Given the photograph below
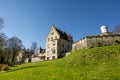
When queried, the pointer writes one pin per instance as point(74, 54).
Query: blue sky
point(30, 20)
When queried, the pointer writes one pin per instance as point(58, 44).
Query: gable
point(53, 33)
point(57, 34)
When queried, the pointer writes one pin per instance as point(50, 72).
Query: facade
point(41, 54)
point(19, 57)
point(104, 38)
point(37, 57)
point(27, 55)
point(58, 43)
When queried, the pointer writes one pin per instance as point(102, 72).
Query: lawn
point(99, 63)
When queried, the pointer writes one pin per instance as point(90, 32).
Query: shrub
point(4, 67)
point(98, 44)
point(90, 47)
point(116, 41)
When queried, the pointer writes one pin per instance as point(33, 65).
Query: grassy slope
point(100, 63)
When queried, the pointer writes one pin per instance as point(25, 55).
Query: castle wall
point(92, 41)
point(82, 43)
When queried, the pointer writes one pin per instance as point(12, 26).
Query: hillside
point(100, 63)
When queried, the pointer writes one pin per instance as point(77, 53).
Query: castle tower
point(104, 29)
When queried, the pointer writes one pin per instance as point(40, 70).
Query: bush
point(4, 67)
point(116, 41)
point(98, 44)
point(90, 47)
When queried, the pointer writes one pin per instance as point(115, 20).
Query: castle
point(59, 43)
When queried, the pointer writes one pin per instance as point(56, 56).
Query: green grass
point(100, 63)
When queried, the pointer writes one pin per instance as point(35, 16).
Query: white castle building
point(58, 43)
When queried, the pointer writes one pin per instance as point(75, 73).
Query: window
point(48, 53)
point(53, 57)
point(53, 51)
point(52, 33)
point(65, 51)
point(55, 37)
point(62, 45)
point(47, 58)
point(53, 42)
point(68, 46)
point(42, 58)
point(51, 38)
point(58, 51)
point(48, 46)
point(48, 39)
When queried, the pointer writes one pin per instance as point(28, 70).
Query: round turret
point(104, 29)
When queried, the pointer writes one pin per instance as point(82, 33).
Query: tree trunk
point(0, 67)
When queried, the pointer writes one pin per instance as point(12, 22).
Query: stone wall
point(35, 59)
point(97, 40)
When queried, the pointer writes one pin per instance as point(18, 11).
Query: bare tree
point(14, 44)
point(33, 46)
point(1, 22)
point(117, 29)
point(2, 44)
point(2, 35)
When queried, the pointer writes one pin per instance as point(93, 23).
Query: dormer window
point(52, 33)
